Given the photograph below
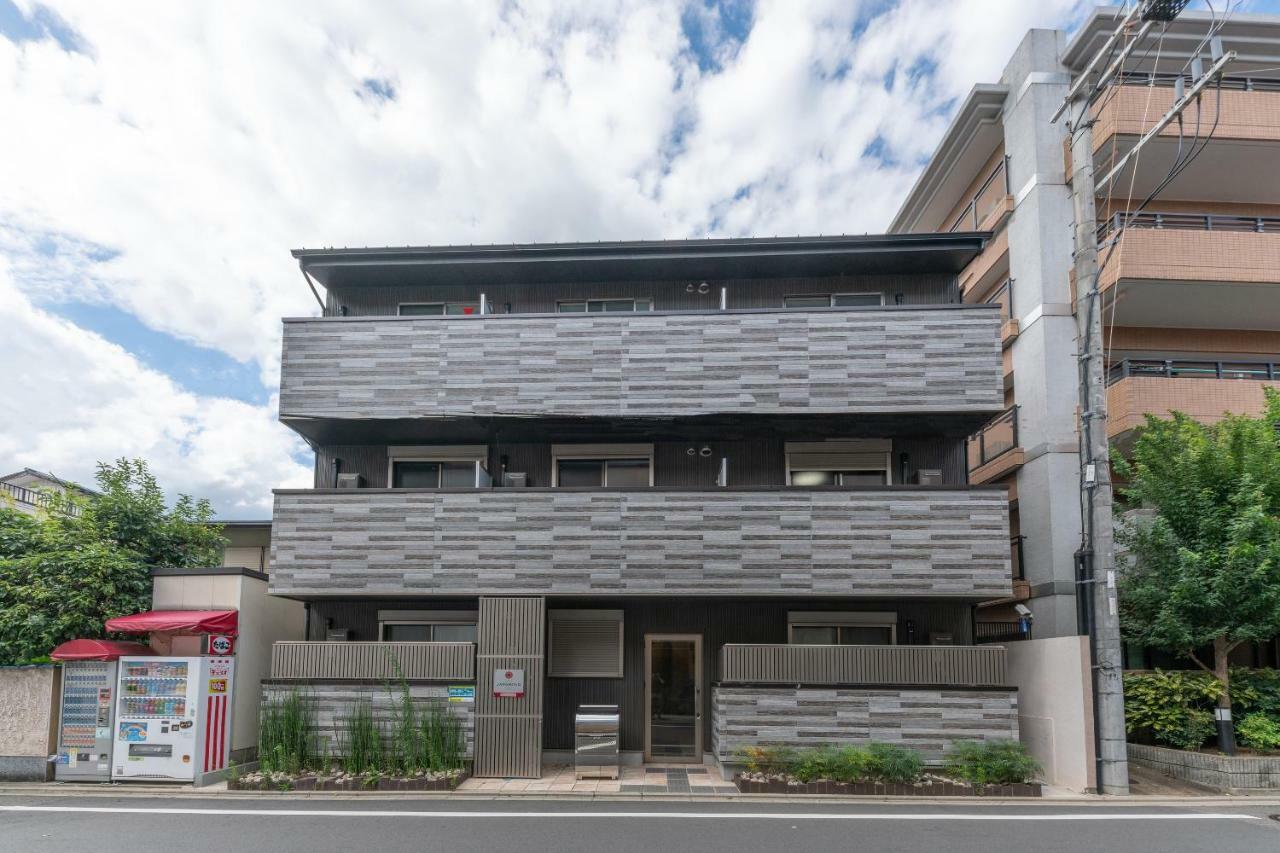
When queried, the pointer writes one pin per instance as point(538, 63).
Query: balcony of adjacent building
point(1205, 390)
point(1243, 116)
point(994, 452)
point(1190, 269)
point(988, 208)
point(343, 377)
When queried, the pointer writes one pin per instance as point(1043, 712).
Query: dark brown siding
point(759, 462)
point(667, 295)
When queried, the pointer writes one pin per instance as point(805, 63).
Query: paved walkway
point(686, 779)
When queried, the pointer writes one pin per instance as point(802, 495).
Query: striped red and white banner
point(215, 739)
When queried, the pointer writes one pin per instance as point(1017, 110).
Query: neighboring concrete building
point(248, 544)
point(1192, 292)
point(35, 492)
point(718, 483)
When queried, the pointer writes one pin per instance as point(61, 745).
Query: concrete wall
point(334, 701)
point(926, 359)
point(1235, 775)
point(886, 542)
point(29, 697)
point(1055, 707)
point(926, 720)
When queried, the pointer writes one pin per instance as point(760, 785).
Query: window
point(427, 626)
point(850, 463)
point(817, 628)
point(593, 306)
point(437, 309)
point(437, 467)
point(602, 465)
point(433, 475)
point(584, 644)
point(834, 300)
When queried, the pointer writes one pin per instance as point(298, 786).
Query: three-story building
point(721, 484)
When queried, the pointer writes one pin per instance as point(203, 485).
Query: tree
point(1205, 567)
point(63, 575)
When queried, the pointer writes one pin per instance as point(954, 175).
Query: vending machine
point(85, 730)
point(173, 717)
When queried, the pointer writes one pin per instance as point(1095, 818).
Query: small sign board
point(508, 683)
point(221, 645)
point(462, 692)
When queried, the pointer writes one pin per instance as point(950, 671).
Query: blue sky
point(166, 160)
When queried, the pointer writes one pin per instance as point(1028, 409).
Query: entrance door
point(673, 697)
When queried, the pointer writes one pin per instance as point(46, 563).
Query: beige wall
point(1242, 115)
point(1055, 707)
point(28, 697)
point(1206, 400)
point(1218, 257)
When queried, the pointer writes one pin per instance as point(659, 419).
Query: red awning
point(172, 621)
point(98, 650)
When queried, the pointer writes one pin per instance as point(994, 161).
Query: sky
point(158, 160)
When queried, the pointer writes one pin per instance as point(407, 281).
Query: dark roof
point(754, 257)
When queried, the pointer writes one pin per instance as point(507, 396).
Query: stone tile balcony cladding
point(1200, 256)
point(877, 542)
point(875, 360)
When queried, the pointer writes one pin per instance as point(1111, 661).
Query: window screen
point(585, 644)
point(427, 474)
point(597, 473)
point(422, 309)
point(593, 306)
point(833, 300)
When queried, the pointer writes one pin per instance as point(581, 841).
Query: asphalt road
point(225, 825)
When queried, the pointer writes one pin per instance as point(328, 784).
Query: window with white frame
point(584, 643)
point(603, 306)
point(602, 465)
point(438, 309)
point(833, 300)
point(427, 626)
point(427, 467)
point(842, 628)
point(850, 463)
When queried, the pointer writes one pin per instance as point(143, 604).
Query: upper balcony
point(900, 360)
point(1201, 270)
point(1205, 390)
point(888, 542)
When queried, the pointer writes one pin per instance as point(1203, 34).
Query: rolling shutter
point(585, 644)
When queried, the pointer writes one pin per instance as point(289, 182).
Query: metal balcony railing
point(988, 196)
point(413, 661)
point(995, 439)
point(46, 501)
point(1188, 369)
point(961, 666)
point(1189, 222)
point(1000, 632)
point(1243, 83)
point(1016, 555)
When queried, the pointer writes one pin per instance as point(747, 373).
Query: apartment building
point(1191, 290)
point(720, 484)
point(36, 493)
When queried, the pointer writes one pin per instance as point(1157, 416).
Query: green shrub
point(996, 762)
point(851, 764)
point(1258, 731)
point(360, 741)
point(1255, 690)
point(1195, 728)
point(285, 740)
point(1166, 704)
point(892, 763)
point(770, 760)
point(819, 763)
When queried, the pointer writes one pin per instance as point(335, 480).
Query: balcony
point(888, 541)
point(993, 451)
point(892, 360)
point(1205, 390)
point(384, 661)
point(1003, 297)
point(989, 206)
point(906, 666)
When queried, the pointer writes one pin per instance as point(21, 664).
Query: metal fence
point(960, 666)
point(995, 439)
point(413, 661)
point(1000, 632)
point(1189, 369)
point(1238, 83)
point(1189, 222)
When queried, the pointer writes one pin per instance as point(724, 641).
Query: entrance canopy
point(175, 621)
point(98, 650)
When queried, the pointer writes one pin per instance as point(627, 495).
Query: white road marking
point(914, 816)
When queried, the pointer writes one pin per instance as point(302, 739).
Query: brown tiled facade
point(1206, 400)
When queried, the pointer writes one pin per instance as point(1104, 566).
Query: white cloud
point(72, 399)
point(199, 144)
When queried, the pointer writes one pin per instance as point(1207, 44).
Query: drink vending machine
point(173, 717)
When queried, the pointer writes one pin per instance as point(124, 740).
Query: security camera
point(1024, 611)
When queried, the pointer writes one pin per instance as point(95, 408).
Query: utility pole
point(1097, 575)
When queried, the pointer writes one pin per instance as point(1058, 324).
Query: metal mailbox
point(596, 729)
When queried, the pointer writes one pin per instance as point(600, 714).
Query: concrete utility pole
point(1098, 575)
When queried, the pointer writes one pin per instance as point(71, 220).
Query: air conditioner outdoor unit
point(349, 481)
point(515, 480)
point(929, 477)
